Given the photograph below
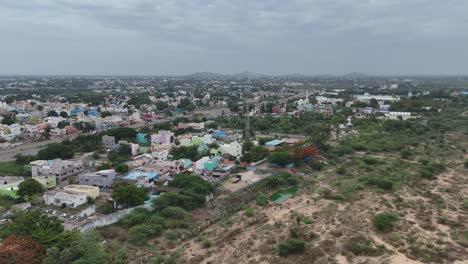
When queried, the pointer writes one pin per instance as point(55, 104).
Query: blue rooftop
point(133, 175)
point(274, 143)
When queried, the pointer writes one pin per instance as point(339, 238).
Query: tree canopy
point(129, 194)
point(29, 187)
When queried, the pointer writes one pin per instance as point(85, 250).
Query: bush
point(207, 243)
point(249, 212)
point(317, 165)
point(466, 164)
point(291, 246)
point(341, 170)
point(138, 235)
point(379, 182)
point(384, 221)
point(361, 246)
point(173, 212)
point(138, 216)
point(261, 199)
point(308, 221)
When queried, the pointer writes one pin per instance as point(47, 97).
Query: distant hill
point(206, 75)
point(248, 75)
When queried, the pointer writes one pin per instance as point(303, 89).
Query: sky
point(175, 37)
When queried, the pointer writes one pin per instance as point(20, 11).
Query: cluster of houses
point(71, 183)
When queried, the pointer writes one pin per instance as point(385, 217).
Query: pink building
point(163, 137)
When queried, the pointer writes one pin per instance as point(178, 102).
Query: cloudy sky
point(267, 36)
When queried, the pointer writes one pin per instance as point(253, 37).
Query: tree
point(56, 151)
point(52, 113)
point(123, 133)
point(29, 187)
point(129, 194)
point(105, 114)
point(44, 229)
point(291, 246)
point(384, 221)
point(160, 105)
point(64, 114)
point(21, 249)
point(46, 133)
point(8, 120)
point(281, 158)
point(62, 124)
point(121, 168)
point(184, 152)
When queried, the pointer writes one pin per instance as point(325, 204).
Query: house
point(200, 164)
point(142, 138)
point(366, 98)
point(16, 129)
point(141, 160)
point(197, 126)
point(141, 177)
point(222, 171)
point(109, 142)
point(234, 149)
point(62, 169)
point(292, 141)
point(160, 151)
point(71, 130)
point(65, 198)
point(398, 115)
point(90, 191)
point(163, 137)
point(274, 144)
point(102, 179)
point(47, 181)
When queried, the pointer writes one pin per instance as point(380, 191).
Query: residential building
point(163, 137)
point(65, 198)
point(234, 149)
point(90, 191)
point(141, 177)
point(102, 179)
point(61, 169)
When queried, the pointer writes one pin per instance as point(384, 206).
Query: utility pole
point(247, 125)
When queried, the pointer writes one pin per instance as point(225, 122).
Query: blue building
point(274, 143)
point(141, 177)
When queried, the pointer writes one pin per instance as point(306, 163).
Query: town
point(95, 152)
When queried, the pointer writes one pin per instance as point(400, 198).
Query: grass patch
point(11, 168)
point(283, 195)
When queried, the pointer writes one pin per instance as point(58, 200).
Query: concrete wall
point(110, 219)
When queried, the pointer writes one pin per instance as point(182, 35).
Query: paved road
point(31, 148)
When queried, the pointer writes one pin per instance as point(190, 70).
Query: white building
point(62, 169)
point(65, 198)
point(199, 164)
point(234, 149)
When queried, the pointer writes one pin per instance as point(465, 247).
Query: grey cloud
point(271, 36)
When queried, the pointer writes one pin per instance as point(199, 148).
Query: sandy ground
point(248, 177)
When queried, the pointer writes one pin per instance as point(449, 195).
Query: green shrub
point(308, 221)
point(379, 182)
point(466, 164)
point(173, 212)
point(341, 170)
point(138, 216)
point(249, 212)
point(384, 221)
point(291, 246)
point(261, 199)
point(138, 235)
point(361, 246)
point(207, 243)
point(317, 165)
